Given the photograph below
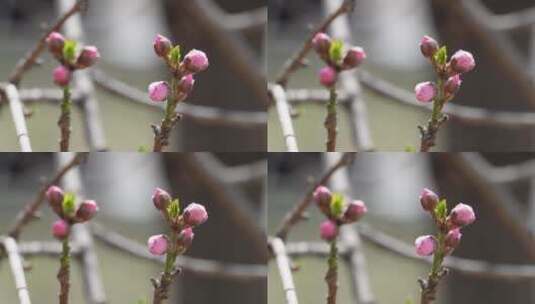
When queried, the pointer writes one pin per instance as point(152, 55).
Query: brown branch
point(11, 94)
point(276, 93)
point(64, 121)
point(30, 210)
point(251, 20)
point(296, 61)
point(502, 22)
point(285, 271)
point(296, 214)
point(331, 277)
point(29, 60)
point(17, 269)
point(331, 121)
point(64, 273)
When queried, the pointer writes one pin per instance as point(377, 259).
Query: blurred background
point(500, 34)
point(500, 188)
point(122, 184)
point(231, 32)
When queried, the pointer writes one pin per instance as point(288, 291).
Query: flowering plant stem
point(429, 133)
point(162, 132)
point(331, 121)
point(429, 286)
point(331, 278)
point(64, 273)
point(161, 285)
point(64, 121)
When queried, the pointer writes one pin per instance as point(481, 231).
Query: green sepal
point(335, 50)
point(174, 208)
point(175, 55)
point(69, 206)
point(69, 50)
point(337, 204)
point(441, 209)
point(441, 56)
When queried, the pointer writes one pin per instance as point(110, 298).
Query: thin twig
point(331, 277)
point(503, 22)
point(285, 271)
point(29, 60)
point(250, 20)
point(64, 273)
point(30, 210)
point(296, 61)
point(296, 214)
point(17, 269)
point(331, 121)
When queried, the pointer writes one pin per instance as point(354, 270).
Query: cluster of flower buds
point(337, 211)
point(70, 59)
point(64, 205)
point(183, 70)
point(449, 225)
point(181, 224)
point(331, 52)
point(450, 71)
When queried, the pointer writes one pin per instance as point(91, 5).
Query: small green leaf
point(337, 204)
point(441, 56)
point(69, 205)
point(410, 148)
point(69, 50)
point(441, 210)
point(174, 208)
point(174, 55)
point(335, 50)
point(143, 149)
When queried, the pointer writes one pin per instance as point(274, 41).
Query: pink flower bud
point(354, 57)
point(428, 46)
point(54, 195)
point(355, 210)
point(425, 245)
point(453, 238)
point(453, 84)
point(195, 61)
point(462, 215)
point(428, 199)
point(55, 42)
point(158, 91)
point(62, 76)
point(88, 57)
point(157, 244)
point(328, 76)
point(328, 230)
point(86, 211)
point(425, 91)
point(60, 229)
point(462, 61)
point(322, 195)
point(162, 45)
point(185, 85)
point(195, 214)
point(185, 237)
point(161, 199)
point(321, 43)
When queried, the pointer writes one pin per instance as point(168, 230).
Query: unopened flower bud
point(428, 46)
point(185, 85)
point(54, 195)
point(355, 210)
point(328, 76)
point(157, 244)
point(88, 57)
point(428, 199)
point(86, 211)
point(462, 215)
point(354, 57)
point(162, 45)
point(425, 245)
point(321, 43)
point(161, 199)
point(195, 61)
point(158, 91)
point(62, 76)
point(453, 238)
point(55, 42)
point(185, 237)
point(425, 91)
point(322, 195)
point(195, 214)
point(328, 230)
point(453, 84)
point(462, 61)
point(60, 229)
